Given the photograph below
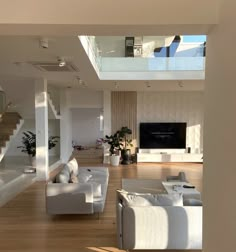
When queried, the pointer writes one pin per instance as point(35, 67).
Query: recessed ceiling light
point(116, 85)
point(61, 62)
point(148, 85)
point(180, 83)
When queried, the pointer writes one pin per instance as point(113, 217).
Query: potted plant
point(124, 134)
point(29, 144)
point(115, 147)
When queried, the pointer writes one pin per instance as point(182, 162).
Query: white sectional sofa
point(87, 195)
point(158, 227)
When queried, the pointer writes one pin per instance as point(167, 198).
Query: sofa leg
point(98, 216)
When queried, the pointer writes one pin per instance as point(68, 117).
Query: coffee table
point(156, 186)
point(177, 186)
point(143, 185)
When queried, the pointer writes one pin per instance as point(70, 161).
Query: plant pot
point(32, 161)
point(126, 156)
point(115, 160)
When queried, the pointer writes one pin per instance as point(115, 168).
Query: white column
point(219, 173)
point(41, 123)
point(65, 127)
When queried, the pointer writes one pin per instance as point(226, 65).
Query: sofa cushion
point(173, 199)
point(73, 166)
point(63, 176)
point(84, 177)
point(73, 178)
point(192, 202)
point(146, 199)
point(97, 190)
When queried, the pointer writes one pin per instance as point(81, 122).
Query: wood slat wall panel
point(124, 112)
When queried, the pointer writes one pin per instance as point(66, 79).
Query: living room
point(218, 99)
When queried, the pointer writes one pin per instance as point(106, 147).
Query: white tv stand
point(169, 157)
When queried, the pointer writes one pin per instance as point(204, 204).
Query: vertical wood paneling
point(124, 111)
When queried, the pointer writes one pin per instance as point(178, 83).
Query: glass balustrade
point(172, 62)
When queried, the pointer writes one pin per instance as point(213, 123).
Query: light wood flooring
point(25, 226)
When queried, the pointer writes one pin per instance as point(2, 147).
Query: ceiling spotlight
point(180, 83)
point(43, 42)
point(61, 62)
point(116, 85)
point(148, 85)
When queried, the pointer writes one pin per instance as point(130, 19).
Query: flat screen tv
point(163, 135)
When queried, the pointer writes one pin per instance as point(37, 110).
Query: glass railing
point(183, 57)
point(152, 64)
point(92, 51)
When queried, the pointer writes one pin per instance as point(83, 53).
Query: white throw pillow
point(73, 166)
point(135, 199)
point(63, 176)
point(84, 177)
point(73, 178)
point(147, 199)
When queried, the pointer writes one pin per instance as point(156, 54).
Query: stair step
point(4, 137)
point(7, 126)
point(11, 114)
point(2, 143)
point(6, 131)
point(10, 120)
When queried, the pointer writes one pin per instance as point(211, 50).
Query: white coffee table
point(155, 186)
point(177, 186)
point(143, 185)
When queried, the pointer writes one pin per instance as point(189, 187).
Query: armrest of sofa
point(69, 198)
point(158, 227)
point(119, 226)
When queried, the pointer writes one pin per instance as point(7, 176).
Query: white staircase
point(9, 127)
point(54, 110)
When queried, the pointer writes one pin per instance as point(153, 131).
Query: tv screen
point(163, 135)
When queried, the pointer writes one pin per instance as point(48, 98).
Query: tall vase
point(126, 156)
point(32, 161)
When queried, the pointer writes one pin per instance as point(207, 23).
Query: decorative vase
point(115, 160)
point(126, 156)
point(32, 161)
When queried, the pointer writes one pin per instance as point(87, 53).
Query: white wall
point(65, 126)
point(29, 125)
point(85, 98)
point(86, 126)
point(219, 173)
point(21, 94)
point(174, 107)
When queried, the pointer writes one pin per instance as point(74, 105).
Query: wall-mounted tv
point(163, 135)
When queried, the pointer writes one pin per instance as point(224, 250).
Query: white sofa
point(158, 227)
point(85, 196)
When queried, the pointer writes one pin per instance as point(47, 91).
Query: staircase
point(54, 108)
point(10, 124)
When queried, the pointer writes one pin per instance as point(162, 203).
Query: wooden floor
point(25, 226)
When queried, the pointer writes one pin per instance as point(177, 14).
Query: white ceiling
point(17, 51)
point(62, 22)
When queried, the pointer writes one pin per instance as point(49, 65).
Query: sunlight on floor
point(104, 249)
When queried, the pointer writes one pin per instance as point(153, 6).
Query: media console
point(169, 157)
